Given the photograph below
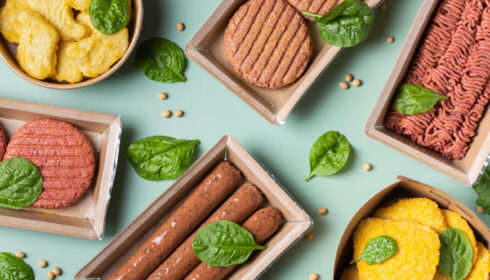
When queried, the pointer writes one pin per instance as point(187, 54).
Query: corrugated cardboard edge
point(445, 201)
point(422, 155)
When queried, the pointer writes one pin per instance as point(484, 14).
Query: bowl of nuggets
point(413, 231)
point(68, 44)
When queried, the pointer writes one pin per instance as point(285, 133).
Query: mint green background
point(212, 111)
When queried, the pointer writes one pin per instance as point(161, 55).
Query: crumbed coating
point(422, 210)
point(418, 250)
point(481, 269)
point(454, 220)
point(350, 273)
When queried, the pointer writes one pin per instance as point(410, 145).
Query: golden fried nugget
point(36, 53)
point(67, 68)
point(10, 24)
point(60, 14)
point(481, 269)
point(422, 210)
point(454, 220)
point(350, 273)
point(98, 52)
point(418, 250)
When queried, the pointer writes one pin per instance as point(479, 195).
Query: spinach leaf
point(224, 243)
point(328, 154)
point(456, 254)
point(13, 268)
point(377, 250)
point(161, 157)
point(346, 25)
point(415, 99)
point(482, 188)
point(21, 183)
point(161, 60)
point(109, 16)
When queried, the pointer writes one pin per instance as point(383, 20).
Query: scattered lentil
point(383, 7)
point(50, 275)
point(56, 270)
point(390, 39)
point(314, 276)
point(43, 263)
point(480, 209)
point(162, 95)
point(356, 82)
point(180, 26)
point(367, 167)
point(179, 113)
point(166, 114)
point(343, 85)
point(348, 78)
point(309, 236)
point(20, 255)
point(322, 211)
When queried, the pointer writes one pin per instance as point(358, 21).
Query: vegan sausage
point(181, 222)
point(262, 224)
point(236, 209)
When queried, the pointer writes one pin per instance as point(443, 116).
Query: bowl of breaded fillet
point(68, 44)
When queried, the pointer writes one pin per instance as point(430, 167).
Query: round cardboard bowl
point(134, 32)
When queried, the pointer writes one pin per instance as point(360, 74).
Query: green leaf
point(415, 99)
point(482, 188)
point(346, 25)
point(456, 254)
point(13, 268)
point(21, 183)
point(109, 16)
point(224, 243)
point(377, 250)
point(161, 157)
point(328, 154)
point(161, 60)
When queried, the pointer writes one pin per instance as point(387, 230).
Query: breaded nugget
point(60, 14)
point(10, 22)
point(418, 250)
point(267, 43)
point(319, 7)
point(63, 154)
point(36, 53)
point(454, 220)
point(67, 68)
point(3, 142)
point(481, 269)
point(422, 210)
point(350, 273)
point(97, 53)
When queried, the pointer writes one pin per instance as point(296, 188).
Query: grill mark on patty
point(245, 23)
point(301, 63)
point(315, 6)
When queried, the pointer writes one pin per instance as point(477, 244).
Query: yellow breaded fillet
point(481, 269)
point(422, 210)
point(10, 25)
point(418, 250)
point(98, 52)
point(60, 14)
point(454, 220)
point(67, 68)
point(36, 53)
point(350, 273)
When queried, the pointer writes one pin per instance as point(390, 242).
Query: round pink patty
point(267, 43)
point(64, 156)
point(3, 142)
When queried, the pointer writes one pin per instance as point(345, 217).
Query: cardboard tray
point(296, 220)
point(465, 171)
point(206, 48)
point(86, 217)
point(404, 188)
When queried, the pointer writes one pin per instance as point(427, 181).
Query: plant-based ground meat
point(267, 43)
point(63, 154)
point(3, 143)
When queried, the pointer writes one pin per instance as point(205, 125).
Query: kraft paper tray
point(405, 188)
point(296, 221)
point(206, 48)
point(465, 171)
point(86, 217)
